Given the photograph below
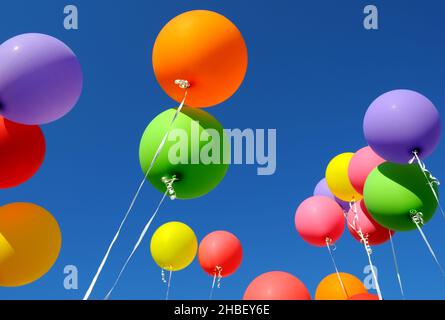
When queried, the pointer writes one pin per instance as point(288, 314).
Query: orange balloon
point(204, 48)
point(30, 242)
point(330, 287)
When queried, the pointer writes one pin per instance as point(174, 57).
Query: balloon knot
point(169, 185)
point(218, 274)
point(417, 217)
point(183, 84)
point(330, 244)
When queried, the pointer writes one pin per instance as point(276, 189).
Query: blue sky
point(313, 71)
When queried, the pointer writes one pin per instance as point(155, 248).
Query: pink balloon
point(375, 233)
point(362, 163)
point(276, 285)
point(319, 218)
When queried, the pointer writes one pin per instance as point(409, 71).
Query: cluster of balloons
point(199, 59)
point(174, 246)
point(40, 81)
point(206, 53)
point(382, 188)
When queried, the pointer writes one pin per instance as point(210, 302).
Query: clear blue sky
point(313, 70)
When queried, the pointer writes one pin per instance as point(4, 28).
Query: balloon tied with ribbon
point(183, 84)
point(218, 277)
point(169, 185)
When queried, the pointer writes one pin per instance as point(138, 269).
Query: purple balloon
point(322, 189)
point(400, 122)
point(40, 79)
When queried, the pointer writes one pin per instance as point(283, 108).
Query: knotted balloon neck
point(329, 243)
point(183, 84)
point(218, 276)
point(169, 186)
point(417, 217)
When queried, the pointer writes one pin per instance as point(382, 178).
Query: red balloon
point(220, 252)
point(276, 285)
point(364, 296)
point(374, 232)
point(22, 150)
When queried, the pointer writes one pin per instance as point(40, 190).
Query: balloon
point(394, 192)
point(195, 177)
point(22, 150)
point(276, 285)
point(322, 189)
point(364, 296)
point(338, 180)
point(399, 122)
point(319, 219)
point(220, 253)
point(372, 231)
point(30, 242)
point(207, 50)
point(362, 163)
point(330, 288)
point(40, 79)
point(173, 246)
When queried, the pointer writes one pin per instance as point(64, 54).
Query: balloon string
point(396, 265)
point(136, 246)
point(364, 239)
point(417, 218)
point(169, 284)
point(133, 201)
point(431, 180)
point(328, 245)
point(377, 286)
point(213, 286)
point(216, 280)
point(163, 276)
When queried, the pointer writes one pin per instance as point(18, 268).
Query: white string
point(396, 265)
point(133, 201)
point(364, 239)
point(417, 218)
point(169, 284)
point(431, 180)
point(136, 246)
point(213, 286)
point(217, 276)
point(328, 245)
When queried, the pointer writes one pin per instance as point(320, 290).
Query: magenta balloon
point(362, 163)
point(319, 218)
point(400, 122)
point(374, 232)
point(322, 189)
point(40, 79)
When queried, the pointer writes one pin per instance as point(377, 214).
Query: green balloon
point(394, 192)
point(196, 152)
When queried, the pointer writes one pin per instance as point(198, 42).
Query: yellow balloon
point(174, 246)
point(30, 242)
point(338, 180)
